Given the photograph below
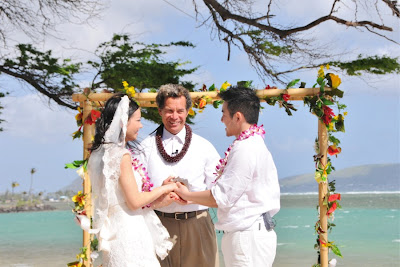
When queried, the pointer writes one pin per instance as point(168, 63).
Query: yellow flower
point(79, 198)
point(78, 117)
point(327, 66)
point(75, 264)
point(191, 112)
point(345, 113)
point(125, 84)
point(335, 80)
point(225, 85)
point(321, 73)
point(131, 91)
point(331, 126)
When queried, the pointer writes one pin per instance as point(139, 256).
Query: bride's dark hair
point(103, 123)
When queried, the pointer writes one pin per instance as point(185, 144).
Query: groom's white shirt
point(248, 186)
point(197, 166)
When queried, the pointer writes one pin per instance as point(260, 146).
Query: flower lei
point(146, 184)
point(254, 129)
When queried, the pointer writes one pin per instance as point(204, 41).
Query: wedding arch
point(318, 99)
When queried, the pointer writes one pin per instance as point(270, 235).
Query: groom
point(174, 150)
point(246, 189)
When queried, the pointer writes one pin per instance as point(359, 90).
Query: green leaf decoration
point(292, 83)
point(77, 134)
point(336, 250)
point(211, 88)
point(339, 125)
point(247, 84)
point(75, 164)
point(216, 103)
point(327, 102)
point(336, 92)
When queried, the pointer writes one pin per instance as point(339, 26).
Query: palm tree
point(33, 170)
point(13, 185)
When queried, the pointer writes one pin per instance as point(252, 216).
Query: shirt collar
point(167, 136)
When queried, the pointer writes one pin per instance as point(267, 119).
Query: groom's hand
point(178, 199)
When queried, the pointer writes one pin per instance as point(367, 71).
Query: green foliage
point(1, 107)
point(379, 65)
point(260, 43)
point(138, 64)
point(49, 75)
point(141, 65)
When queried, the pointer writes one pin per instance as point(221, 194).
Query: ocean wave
point(396, 241)
point(349, 193)
point(291, 226)
point(284, 244)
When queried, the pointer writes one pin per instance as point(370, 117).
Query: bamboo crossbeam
point(295, 94)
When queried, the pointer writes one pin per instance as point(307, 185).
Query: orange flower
point(202, 103)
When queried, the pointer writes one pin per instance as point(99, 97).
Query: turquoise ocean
point(367, 232)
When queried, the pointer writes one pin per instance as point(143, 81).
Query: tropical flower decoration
point(201, 102)
point(91, 119)
point(129, 90)
point(79, 201)
point(282, 99)
point(322, 105)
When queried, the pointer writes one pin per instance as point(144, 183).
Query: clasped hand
point(178, 191)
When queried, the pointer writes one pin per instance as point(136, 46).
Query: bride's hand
point(168, 180)
point(170, 187)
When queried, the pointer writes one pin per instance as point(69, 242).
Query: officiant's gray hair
point(174, 91)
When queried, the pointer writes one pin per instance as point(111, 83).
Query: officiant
point(174, 150)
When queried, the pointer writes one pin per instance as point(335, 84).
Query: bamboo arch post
point(88, 131)
point(322, 192)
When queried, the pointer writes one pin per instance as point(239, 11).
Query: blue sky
point(38, 133)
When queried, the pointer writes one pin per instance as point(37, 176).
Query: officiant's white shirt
point(248, 186)
point(197, 166)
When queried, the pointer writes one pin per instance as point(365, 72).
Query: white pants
point(253, 247)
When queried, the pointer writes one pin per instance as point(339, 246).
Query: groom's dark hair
point(244, 100)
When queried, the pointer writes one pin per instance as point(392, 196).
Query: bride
point(128, 230)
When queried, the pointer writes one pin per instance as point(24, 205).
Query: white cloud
point(32, 118)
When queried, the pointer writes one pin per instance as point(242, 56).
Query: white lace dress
point(126, 237)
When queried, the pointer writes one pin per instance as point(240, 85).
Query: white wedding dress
point(127, 238)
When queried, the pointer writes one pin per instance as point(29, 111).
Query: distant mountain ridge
point(364, 178)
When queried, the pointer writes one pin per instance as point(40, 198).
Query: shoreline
point(45, 206)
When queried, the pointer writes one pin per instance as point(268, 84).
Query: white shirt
point(247, 187)
point(197, 166)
